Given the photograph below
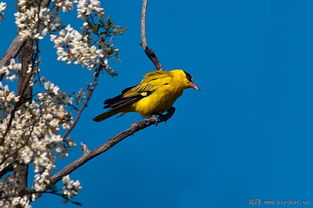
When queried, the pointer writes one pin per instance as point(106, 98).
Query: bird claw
point(156, 119)
point(168, 114)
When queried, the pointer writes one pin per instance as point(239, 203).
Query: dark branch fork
point(90, 91)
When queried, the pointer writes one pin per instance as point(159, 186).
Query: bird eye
point(188, 76)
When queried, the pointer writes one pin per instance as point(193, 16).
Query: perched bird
point(155, 94)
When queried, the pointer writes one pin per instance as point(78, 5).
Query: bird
point(155, 94)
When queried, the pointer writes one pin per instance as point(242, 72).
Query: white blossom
point(71, 46)
point(71, 187)
point(8, 70)
point(86, 7)
point(33, 136)
point(3, 6)
point(65, 5)
point(30, 131)
point(34, 22)
point(15, 202)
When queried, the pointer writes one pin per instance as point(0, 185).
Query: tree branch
point(12, 52)
point(89, 94)
point(149, 52)
point(90, 154)
point(110, 143)
point(16, 45)
point(29, 193)
point(23, 88)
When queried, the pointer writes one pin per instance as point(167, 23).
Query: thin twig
point(110, 143)
point(31, 192)
point(84, 148)
point(85, 104)
point(149, 52)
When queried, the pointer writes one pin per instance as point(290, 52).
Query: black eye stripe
point(188, 76)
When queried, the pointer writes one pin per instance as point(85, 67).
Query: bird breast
point(159, 101)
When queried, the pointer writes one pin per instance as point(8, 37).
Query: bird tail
point(105, 115)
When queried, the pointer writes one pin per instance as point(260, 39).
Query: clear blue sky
point(247, 134)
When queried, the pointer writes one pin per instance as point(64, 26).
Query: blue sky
point(246, 135)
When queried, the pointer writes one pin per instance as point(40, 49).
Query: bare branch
point(110, 143)
point(89, 94)
point(84, 148)
point(149, 52)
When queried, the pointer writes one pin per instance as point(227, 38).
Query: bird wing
point(151, 82)
point(156, 76)
point(120, 101)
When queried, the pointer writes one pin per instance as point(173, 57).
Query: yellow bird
point(155, 94)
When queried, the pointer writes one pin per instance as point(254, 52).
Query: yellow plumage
point(155, 94)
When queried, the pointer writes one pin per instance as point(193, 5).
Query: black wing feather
point(117, 98)
point(122, 101)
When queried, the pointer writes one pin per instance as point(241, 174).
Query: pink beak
point(192, 85)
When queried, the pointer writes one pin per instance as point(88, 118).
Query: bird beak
point(192, 85)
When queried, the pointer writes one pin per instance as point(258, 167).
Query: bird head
point(185, 78)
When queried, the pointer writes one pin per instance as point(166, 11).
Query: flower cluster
point(30, 128)
point(8, 100)
point(7, 70)
point(19, 201)
point(86, 7)
point(3, 6)
point(70, 188)
point(65, 5)
point(72, 46)
point(35, 21)
point(32, 135)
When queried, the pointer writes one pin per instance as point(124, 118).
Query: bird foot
point(155, 119)
point(167, 115)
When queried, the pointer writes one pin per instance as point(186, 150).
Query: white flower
point(33, 136)
point(72, 46)
point(49, 86)
point(71, 187)
point(3, 6)
point(65, 5)
point(29, 18)
point(86, 7)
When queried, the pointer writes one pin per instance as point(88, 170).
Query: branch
point(29, 193)
point(12, 52)
point(84, 148)
point(16, 46)
point(149, 52)
point(88, 155)
point(89, 94)
point(23, 88)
